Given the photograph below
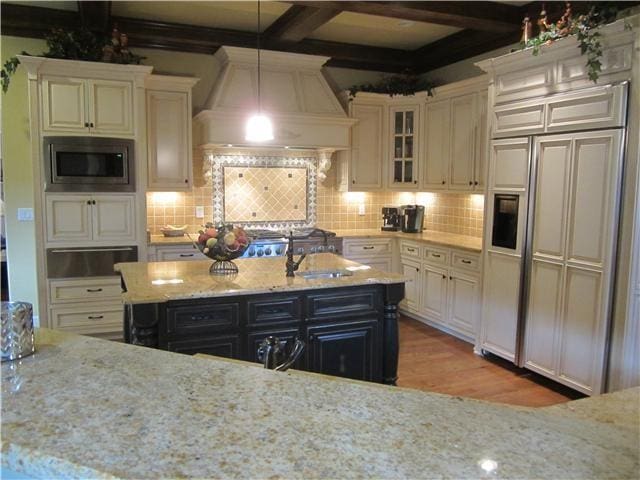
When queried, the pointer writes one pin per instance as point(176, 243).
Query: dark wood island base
point(348, 331)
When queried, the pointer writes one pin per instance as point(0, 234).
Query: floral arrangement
point(583, 26)
point(222, 243)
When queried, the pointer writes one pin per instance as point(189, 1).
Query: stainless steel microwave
point(89, 164)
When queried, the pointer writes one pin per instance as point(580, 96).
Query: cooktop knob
point(252, 252)
point(267, 251)
point(260, 252)
point(279, 251)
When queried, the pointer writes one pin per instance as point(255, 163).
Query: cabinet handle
point(444, 276)
point(91, 124)
point(86, 124)
point(186, 254)
point(272, 311)
point(411, 249)
point(93, 202)
point(415, 181)
point(436, 255)
point(368, 248)
point(466, 261)
point(417, 269)
point(450, 277)
point(470, 182)
point(95, 317)
point(88, 202)
point(93, 290)
point(353, 181)
point(476, 182)
point(311, 338)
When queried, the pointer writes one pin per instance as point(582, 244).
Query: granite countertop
point(79, 408)
point(156, 282)
point(444, 239)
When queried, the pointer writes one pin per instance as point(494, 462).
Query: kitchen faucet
point(292, 266)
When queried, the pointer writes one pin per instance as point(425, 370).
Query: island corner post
point(369, 324)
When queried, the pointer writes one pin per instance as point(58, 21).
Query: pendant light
point(259, 127)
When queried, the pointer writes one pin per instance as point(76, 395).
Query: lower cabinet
point(172, 253)
point(345, 350)
point(342, 328)
point(376, 253)
point(445, 289)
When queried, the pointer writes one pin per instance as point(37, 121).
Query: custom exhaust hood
point(303, 108)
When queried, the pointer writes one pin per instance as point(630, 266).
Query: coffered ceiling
point(388, 36)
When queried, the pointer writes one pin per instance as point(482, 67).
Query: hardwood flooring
point(433, 361)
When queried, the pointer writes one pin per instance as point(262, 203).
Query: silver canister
point(17, 330)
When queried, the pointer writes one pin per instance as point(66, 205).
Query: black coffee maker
point(412, 218)
point(390, 219)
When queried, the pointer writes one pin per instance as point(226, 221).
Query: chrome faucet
point(271, 353)
point(291, 265)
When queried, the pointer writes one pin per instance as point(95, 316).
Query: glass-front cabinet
point(404, 123)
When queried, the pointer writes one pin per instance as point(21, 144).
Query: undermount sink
point(313, 274)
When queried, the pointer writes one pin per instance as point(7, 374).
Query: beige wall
point(453, 213)
point(18, 175)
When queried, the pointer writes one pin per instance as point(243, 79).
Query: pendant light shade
point(259, 127)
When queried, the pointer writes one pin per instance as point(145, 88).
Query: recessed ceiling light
point(406, 23)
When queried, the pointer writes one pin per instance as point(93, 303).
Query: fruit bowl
point(222, 244)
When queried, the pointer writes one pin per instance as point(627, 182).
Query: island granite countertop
point(158, 282)
point(88, 408)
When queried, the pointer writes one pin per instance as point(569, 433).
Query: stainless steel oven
point(87, 261)
point(88, 164)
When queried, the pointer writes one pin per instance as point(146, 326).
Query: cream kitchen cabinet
point(169, 152)
point(361, 167)
point(445, 290)
point(455, 143)
point(404, 148)
point(90, 218)
point(86, 106)
point(377, 253)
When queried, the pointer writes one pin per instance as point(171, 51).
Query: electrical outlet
point(200, 212)
point(361, 209)
point(25, 214)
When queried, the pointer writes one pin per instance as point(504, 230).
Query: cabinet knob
point(450, 278)
point(86, 124)
point(88, 202)
point(444, 181)
point(91, 124)
point(444, 276)
point(415, 181)
point(93, 202)
point(417, 269)
point(186, 180)
point(353, 181)
point(470, 182)
point(476, 182)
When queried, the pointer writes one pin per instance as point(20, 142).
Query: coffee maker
point(390, 219)
point(412, 217)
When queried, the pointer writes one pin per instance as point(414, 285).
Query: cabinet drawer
point(221, 346)
point(434, 255)
point(86, 289)
point(468, 261)
point(88, 318)
point(183, 252)
point(518, 119)
point(597, 108)
point(202, 318)
point(341, 305)
point(408, 249)
point(367, 248)
point(274, 311)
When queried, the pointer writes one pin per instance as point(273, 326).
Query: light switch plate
point(25, 214)
point(199, 212)
point(361, 209)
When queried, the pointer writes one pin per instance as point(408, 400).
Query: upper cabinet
point(361, 167)
point(169, 132)
point(455, 134)
point(404, 122)
point(86, 106)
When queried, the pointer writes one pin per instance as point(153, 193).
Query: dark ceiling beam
point(459, 46)
point(35, 22)
point(298, 22)
point(96, 16)
point(481, 15)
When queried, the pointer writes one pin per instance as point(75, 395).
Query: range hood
point(303, 108)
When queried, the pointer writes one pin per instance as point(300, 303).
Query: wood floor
point(433, 361)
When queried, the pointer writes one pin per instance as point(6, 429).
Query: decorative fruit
point(230, 239)
point(211, 242)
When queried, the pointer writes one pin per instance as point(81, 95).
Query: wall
point(18, 176)
point(453, 213)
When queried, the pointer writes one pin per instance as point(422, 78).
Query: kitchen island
point(349, 323)
point(88, 408)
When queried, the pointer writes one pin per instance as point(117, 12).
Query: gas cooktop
point(273, 243)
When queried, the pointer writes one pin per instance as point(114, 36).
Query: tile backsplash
point(452, 213)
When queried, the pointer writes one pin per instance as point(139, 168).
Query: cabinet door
point(404, 147)
point(434, 293)
point(110, 107)
point(411, 270)
point(437, 118)
point(463, 303)
point(345, 350)
point(480, 165)
point(462, 137)
point(68, 218)
point(169, 142)
point(221, 346)
point(114, 217)
point(285, 335)
point(365, 164)
point(63, 104)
